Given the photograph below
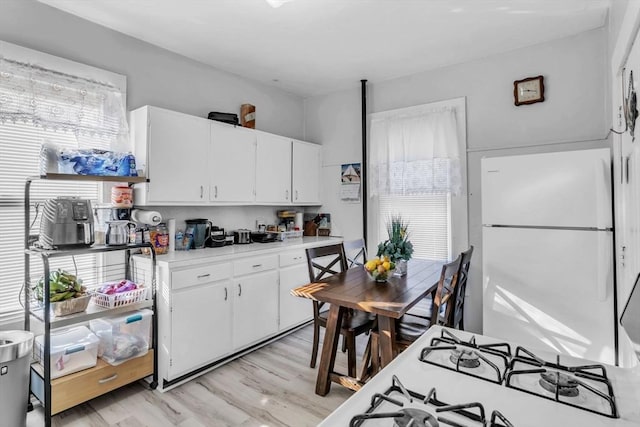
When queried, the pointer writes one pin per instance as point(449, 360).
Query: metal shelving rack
point(43, 314)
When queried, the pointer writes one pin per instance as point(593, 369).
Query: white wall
point(156, 77)
point(573, 116)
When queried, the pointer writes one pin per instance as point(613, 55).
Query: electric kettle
point(117, 233)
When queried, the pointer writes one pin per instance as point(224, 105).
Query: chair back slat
point(333, 260)
point(356, 252)
point(446, 289)
point(457, 314)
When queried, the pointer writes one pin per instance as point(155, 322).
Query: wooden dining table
point(354, 289)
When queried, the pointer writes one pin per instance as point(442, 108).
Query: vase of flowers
point(397, 247)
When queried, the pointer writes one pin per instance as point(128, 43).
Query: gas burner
point(485, 361)
point(408, 408)
point(583, 387)
point(464, 358)
point(565, 385)
point(412, 417)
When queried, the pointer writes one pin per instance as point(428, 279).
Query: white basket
point(119, 299)
point(284, 235)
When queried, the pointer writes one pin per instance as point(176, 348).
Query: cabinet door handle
point(239, 289)
point(215, 191)
point(204, 275)
point(226, 294)
point(286, 192)
point(106, 380)
point(296, 194)
point(201, 191)
point(256, 265)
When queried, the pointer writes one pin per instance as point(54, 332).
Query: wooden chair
point(328, 260)
point(356, 252)
point(457, 313)
point(411, 327)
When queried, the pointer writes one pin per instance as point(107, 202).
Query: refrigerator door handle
point(603, 265)
point(602, 187)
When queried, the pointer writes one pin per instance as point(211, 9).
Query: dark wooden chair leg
point(350, 339)
point(366, 360)
point(316, 341)
point(344, 344)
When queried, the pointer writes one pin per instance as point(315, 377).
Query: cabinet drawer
point(255, 264)
point(293, 257)
point(71, 390)
point(204, 274)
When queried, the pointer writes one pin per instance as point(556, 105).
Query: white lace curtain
point(59, 101)
point(414, 153)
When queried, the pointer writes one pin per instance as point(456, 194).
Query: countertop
point(197, 256)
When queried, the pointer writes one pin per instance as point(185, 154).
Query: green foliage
point(398, 246)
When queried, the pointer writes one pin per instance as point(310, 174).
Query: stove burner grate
point(563, 381)
point(416, 417)
point(468, 354)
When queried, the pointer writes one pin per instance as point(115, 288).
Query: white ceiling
point(310, 47)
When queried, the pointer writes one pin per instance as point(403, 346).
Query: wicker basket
point(119, 299)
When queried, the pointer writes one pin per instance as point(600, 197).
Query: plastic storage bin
point(72, 350)
point(123, 337)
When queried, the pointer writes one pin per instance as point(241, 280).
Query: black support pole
point(363, 165)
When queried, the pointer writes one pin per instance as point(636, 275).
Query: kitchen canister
point(248, 116)
point(121, 197)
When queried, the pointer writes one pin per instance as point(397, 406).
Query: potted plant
point(398, 247)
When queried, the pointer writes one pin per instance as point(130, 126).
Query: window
point(37, 100)
point(417, 171)
point(429, 222)
point(19, 158)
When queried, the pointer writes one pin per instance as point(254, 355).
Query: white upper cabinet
point(233, 163)
point(306, 173)
point(273, 169)
point(172, 149)
point(194, 161)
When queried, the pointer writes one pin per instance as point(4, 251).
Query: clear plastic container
point(159, 237)
point(72, 350)
point(123, 337)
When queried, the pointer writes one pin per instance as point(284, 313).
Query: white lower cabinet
point(255, 308)
point(200, 332)
point(293, 273)
point(212, 309)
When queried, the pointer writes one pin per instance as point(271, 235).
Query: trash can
point(15, 356)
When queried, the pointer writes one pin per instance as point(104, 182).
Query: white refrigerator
point(547, 241)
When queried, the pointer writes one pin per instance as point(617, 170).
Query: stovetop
point(524, 387)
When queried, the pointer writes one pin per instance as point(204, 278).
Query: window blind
point(19, 158)
point(428, 216)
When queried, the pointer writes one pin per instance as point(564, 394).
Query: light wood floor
point(270, 387)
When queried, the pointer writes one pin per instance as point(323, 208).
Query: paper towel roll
point(171, 224)
point(146, 217)
point(299, 223)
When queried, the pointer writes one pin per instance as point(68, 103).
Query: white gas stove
point(453, 378)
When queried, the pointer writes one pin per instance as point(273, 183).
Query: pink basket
point(119, 299)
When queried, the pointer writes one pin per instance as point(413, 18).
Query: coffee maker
point(216, 237)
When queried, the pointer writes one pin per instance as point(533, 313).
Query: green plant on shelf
point(397, 247)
